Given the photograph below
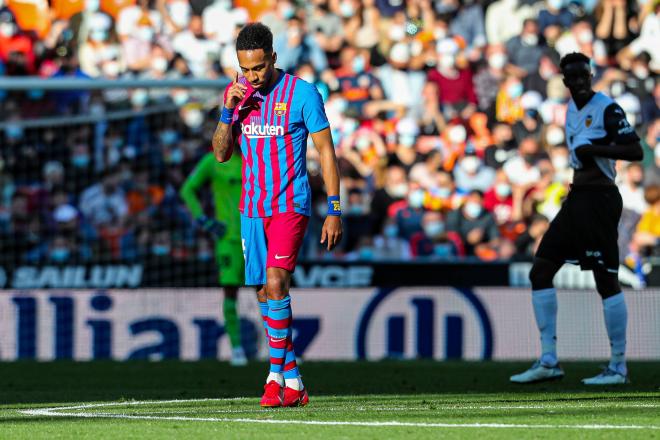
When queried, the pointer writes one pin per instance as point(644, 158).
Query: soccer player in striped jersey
point(270, 114)
point(584, 231)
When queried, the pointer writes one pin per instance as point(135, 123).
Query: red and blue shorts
point(271, 242)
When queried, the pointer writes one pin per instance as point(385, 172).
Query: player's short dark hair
point(255, 36)
point(573, 57)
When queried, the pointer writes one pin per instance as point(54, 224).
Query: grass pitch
point(348, 400)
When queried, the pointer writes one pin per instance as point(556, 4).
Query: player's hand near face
point(332, 231)
point(235, 94)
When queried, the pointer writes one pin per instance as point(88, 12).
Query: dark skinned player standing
point(584, 231)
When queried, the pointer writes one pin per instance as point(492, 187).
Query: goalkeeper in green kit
point(225, 180)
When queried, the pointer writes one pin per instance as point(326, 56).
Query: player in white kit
point(584, 231)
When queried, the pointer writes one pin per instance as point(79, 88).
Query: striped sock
point(290, 366)
point(263, 306)
point(279, 331)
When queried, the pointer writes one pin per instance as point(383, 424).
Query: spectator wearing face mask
point(487, 81)
point(99, 46)
point(455, 87)
point(195, 48)
point(357, 84)
point(394, 189)
point(508, 103)
point(389, 246)
point(296, 46)
point(404, 154)
point(433, 240)
point(471, 174)
point(474, 225)
point(525, 50)
point(499, 200)
point(137, 27)
point(409, 218)
point(530, 125)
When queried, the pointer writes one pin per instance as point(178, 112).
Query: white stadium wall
point(331, 324)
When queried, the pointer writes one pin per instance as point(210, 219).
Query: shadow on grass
point(70, 382)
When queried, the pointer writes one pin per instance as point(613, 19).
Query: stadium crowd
point(447, 118)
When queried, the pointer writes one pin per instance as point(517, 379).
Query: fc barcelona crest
point(280, 108)
point(588, 121)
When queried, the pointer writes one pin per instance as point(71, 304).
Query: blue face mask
point(176, 156)
point(443, 192)
point(433, 229)
point(204, 256)
point(168, 137)
point(442, 250)
point(366, 253)
point(35, 94)
point(14, 132)
point(59, 254)
point(358, 64)
point(160, 250)
point(416, 199)
point(515, 90)
point(391, 231)
point(80, 160)
point(473, 209)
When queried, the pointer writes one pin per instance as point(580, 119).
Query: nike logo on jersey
point(279, 257)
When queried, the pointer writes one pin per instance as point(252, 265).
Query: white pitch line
point(55, 412)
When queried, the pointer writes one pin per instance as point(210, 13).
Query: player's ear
point(273, 57)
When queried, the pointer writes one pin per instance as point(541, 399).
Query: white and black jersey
point(600, 122)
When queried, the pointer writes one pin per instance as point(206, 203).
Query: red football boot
point(294, 397)
point(272, 395)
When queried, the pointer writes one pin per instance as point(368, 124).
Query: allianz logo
point(254, 131)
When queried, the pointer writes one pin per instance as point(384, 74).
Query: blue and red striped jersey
point(272, 128)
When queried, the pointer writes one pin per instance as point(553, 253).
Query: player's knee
point(541, 276)
point(276, 287)
point(607, 284)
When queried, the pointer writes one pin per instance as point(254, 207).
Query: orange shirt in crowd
point(65, 9)
point(31, 15)
point(112, 7)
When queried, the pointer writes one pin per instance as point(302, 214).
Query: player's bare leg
point(544, 300)
point(616, 320)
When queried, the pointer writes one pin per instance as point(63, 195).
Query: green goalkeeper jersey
point(226, 184)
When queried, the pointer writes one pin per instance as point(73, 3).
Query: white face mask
point(92, 5)
point(585, 37)
point(159, 64)
point(193, 118)
point(554, 136)
point(457, 134)
point(139, 98)
point(560, 162)
point(7, 30)
point(503, 189)
point(433, 229)
point(180, 98)
point(397, 33)
point(362, 143)
point(640, 72)
point(530, 39)
point(416, 199)
point(556, 4)
point(447, 61)
point(111, 69)
point(440, 33)
point(470, 164)
point(180, 13)
point(473, 209)
point(397, 191)
point(497, 60)
point(145, 33)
